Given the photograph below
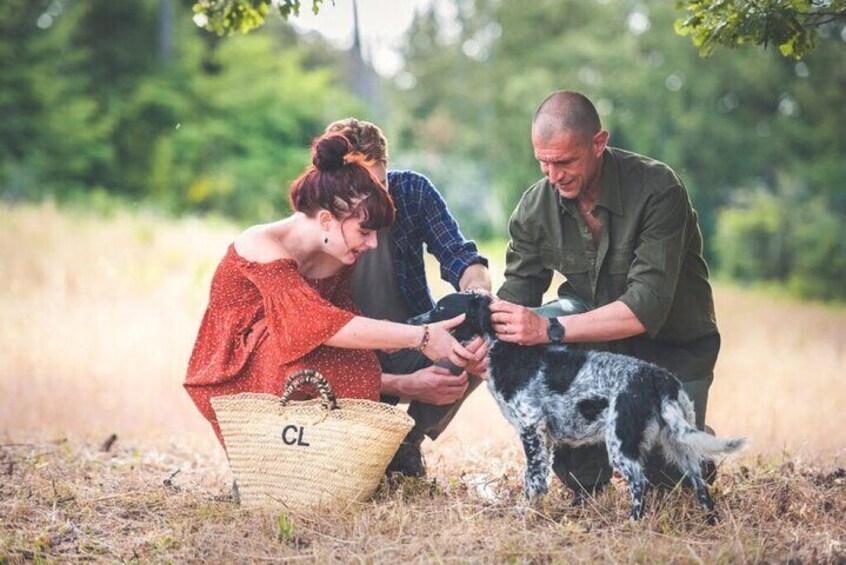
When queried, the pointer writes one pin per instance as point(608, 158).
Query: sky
point(382, 24)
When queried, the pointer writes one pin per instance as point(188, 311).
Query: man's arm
point(432, 385)
point(443, 238)
point(437, 385)
point(526, 278)
point(668, 220)
point(651, 285)
point(518, 324)
point(475, 277)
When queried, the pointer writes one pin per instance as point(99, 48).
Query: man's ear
point(600, 141)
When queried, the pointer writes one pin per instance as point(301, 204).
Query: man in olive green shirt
point(620, 227)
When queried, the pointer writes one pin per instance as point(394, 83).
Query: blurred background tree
point(737, 119)
point(92, 102)
point(134, 102)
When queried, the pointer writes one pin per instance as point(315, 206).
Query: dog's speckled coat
point(553, 394)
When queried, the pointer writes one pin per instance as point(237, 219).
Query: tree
point(227, 16)
point(55, 138)
point(88, 104)
point(792, 25)
point(733, 120)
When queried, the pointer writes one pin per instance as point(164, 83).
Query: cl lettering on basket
point(292, 434)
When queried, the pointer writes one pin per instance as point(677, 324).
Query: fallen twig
point(107, 445)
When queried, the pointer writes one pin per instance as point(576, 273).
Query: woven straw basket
point(306, 454)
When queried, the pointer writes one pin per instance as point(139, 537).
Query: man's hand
point(476, 277)
point(518, 324)
point(433, 385)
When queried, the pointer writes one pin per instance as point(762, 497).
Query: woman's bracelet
point(425, 340)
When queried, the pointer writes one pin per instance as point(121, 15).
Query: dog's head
point(475, 304)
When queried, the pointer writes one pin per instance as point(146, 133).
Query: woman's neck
point(299, 239)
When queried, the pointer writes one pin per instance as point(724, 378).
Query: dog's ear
point(472, 311)
point(482, 313)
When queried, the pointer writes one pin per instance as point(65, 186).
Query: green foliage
point(818, 251)
point(737, 118)
point(784, 237)
point(52, 129)
point(284, 528)
point(792, 25)
point(90, 104)
point(224, 17)
point(751, 237)
point(234, 148)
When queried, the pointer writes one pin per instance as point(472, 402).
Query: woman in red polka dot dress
point(281, 301)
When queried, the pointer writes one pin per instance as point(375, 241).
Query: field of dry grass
point(99, 315)
point(68, 502)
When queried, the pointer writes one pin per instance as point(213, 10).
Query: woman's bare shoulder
point(258, 244)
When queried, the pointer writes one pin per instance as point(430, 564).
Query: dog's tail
point(703, 444)
point(709, 446)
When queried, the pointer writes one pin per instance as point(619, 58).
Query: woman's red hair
point(338, 182)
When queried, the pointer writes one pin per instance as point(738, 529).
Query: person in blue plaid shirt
point(390, 283)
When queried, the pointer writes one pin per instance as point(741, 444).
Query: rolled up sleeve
point(526, 278)
point(658, 255)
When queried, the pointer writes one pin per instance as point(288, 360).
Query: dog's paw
point(535, 488)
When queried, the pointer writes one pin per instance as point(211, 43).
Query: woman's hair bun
point(328, 152)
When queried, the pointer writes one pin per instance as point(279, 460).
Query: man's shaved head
point(566, 111)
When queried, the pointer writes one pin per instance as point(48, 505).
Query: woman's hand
point(442, 345)
point(479, 364)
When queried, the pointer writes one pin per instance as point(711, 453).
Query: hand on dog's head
point(475, 304)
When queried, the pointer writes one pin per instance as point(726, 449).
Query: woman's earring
point(325, 238)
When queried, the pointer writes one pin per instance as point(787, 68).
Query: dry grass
point(66, 501)
point(99, 315)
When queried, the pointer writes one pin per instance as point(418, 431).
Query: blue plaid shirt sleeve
point(443, 237)
point(423, 219)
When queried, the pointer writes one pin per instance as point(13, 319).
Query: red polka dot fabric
point(263, 322)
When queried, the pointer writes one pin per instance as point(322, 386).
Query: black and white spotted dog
point(553, 394)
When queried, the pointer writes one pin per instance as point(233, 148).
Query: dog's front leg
point(538, 460)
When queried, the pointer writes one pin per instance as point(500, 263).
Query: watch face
point(555, 331)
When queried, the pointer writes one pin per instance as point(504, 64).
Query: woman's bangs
point(377, 210)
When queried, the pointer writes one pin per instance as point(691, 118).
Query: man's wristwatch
point(555, 331)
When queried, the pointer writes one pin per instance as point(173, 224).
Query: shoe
point(407, 461)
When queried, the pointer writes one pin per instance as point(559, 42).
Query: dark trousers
point(429, 419)
point(586, 468)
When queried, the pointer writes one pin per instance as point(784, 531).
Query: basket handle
point(309, 376)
